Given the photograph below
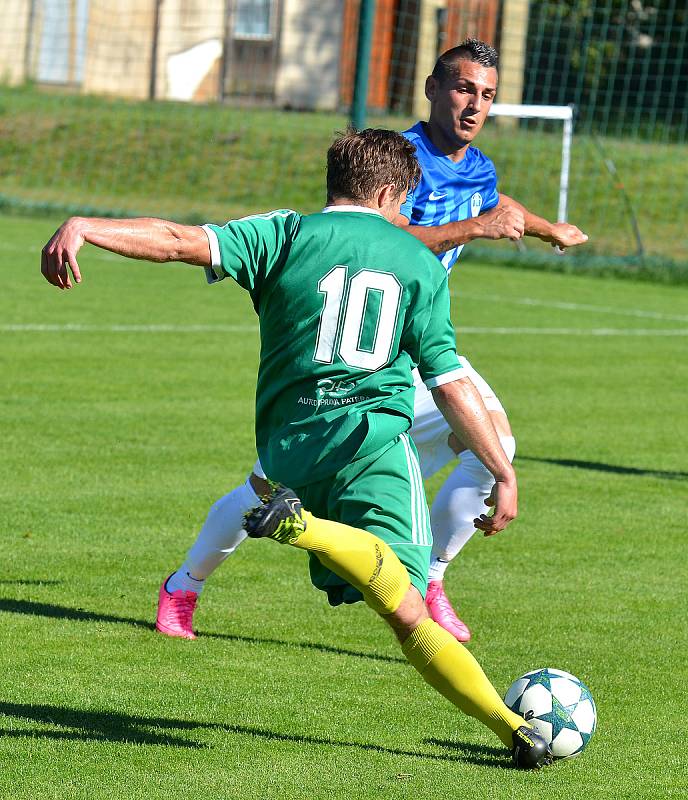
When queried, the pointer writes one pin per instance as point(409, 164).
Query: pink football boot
point(175, 612)
point(440, 609)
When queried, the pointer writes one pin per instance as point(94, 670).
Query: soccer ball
point(558, 705)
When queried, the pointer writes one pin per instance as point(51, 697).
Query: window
point(253, 19)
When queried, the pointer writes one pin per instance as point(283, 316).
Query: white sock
point(221, 534)
point(459, 501)
point(182, 580)
point(437, 569)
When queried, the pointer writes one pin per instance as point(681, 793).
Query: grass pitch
point(127, 409)
point(80, 152)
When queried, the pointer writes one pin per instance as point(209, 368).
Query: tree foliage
point(623, 64)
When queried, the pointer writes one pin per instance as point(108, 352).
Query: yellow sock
point(360, 558)
point(452, 670)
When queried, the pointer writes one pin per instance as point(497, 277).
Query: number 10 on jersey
point(370, 297)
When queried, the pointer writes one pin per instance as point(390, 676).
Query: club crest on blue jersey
point(476, 204)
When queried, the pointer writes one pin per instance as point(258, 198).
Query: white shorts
point(430, 431)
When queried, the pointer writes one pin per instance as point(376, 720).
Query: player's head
point(371, 167)
point(461, 90)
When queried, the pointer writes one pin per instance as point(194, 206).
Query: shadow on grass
point(26, 582)
point(31, 608)
point(106, 726)
point(476, 753)
point(461, 752)
point(111, 726)
point(53, 611)
point(599, 466)
point(323, 648)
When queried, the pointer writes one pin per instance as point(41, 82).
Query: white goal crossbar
point(564, 113)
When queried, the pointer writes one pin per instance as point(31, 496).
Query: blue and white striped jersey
point(449, 191)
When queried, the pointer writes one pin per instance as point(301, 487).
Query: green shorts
point(382, 493)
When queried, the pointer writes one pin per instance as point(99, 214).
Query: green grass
point(201, 163)
point(114, 444)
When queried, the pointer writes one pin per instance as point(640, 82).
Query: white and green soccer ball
point(558, 706)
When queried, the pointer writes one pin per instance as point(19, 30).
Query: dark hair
point(471, 50)
point(360, 162)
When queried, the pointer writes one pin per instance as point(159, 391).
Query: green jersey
point(348, 304)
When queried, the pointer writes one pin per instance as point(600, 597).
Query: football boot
point(278, 517)
point(440, 609)
point(175, 612)
point(530, 750)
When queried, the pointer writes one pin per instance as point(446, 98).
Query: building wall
point(118, 48)
point(13, 40)
point(428, 38)
point(308, 64)
point(190, 44)
point(512, 53)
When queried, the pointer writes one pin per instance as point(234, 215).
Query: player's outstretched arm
point(464, 409)
point(440, 238)
point(500, 222)
point(143, 238)
point(559, 234)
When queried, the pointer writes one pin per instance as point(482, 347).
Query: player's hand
point(504, 499)
point(564, 235)
point(502, 222)
point(58, 257)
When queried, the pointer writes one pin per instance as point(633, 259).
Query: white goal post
point(564, 113)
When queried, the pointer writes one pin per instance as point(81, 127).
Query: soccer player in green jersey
point(455, 202)
point(348, 304)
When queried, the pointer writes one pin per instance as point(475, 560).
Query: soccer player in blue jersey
point(455, 202)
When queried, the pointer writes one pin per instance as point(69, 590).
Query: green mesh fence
point(205, 111)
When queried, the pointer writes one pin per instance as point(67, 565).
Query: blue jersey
point(449, 191)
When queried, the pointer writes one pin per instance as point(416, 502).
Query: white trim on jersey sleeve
point(447, 377)
point(213, 273)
